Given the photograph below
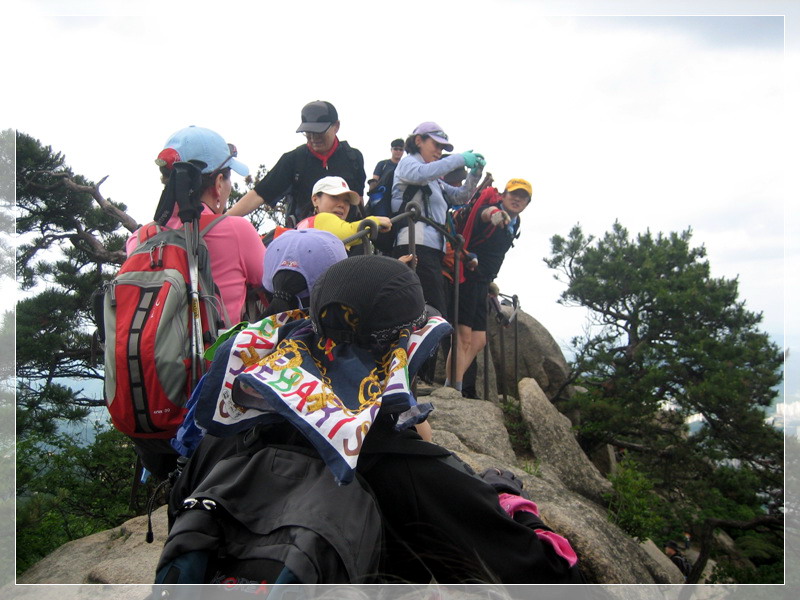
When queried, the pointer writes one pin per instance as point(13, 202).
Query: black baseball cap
point(317, 117)
point(398, 142)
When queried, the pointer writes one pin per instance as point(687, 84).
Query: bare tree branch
point(94, 191)
point(664, 452)
point(66, 180)
point(96, 248)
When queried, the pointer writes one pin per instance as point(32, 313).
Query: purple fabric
point(308, 251)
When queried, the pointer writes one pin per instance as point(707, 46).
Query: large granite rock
point(119, 555)
point(539, 356)
point(478, 424)
point(553, 442)
point(475, 430)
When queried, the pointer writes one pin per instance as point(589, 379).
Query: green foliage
point(7, 333)
point(634, 506)
point(68, 247)
point(266, 217)
point(518, 432)
point(666, 341)
point(66, 242)
point(726, 571)
point(7, 165)
point(67, 491)
point(532, 467)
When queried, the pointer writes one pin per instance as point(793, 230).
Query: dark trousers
point(429, 271)
point(157, 456)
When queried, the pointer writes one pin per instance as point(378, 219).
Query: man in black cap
point(296, 172)
point(398, 147)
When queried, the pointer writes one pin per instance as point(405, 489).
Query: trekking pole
point(188, 181)
point(414, 209)
point(502, 322)
point(458, 243)
point(486, 363)
point(516, 343)
point(503, 364)
point(487, 181)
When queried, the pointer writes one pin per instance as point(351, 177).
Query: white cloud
point(659, 129)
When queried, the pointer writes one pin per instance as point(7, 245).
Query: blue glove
point(472, 159)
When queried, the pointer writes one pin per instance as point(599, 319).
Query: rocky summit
point(566, 485)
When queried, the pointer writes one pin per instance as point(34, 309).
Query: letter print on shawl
point(293, 380)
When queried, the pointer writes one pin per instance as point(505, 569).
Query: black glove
point(504, 482)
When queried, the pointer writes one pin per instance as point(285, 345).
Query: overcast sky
point(660, 122)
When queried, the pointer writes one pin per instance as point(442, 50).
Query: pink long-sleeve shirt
point(237, 258)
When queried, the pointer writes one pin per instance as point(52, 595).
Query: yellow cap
point(519, 184)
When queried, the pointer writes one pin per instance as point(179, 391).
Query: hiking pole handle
point(187, 180)
point(487, 181)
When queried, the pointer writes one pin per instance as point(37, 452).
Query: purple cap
point(308, 251)
point(435, 131)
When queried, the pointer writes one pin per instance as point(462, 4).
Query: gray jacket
point(412, 170)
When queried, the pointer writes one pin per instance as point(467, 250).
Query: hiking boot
point(424, 389)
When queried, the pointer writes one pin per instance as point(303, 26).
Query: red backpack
point(148, 324)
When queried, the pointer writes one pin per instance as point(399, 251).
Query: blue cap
point(203, 145)
point(308, 251)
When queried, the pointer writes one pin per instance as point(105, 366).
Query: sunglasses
point(440, 134)
point(233, 153)
point(397, 148)
point(312, 134)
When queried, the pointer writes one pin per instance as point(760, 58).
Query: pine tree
point(667, 341)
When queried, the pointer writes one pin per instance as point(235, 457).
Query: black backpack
point(273, 513)
point(683, 563)
point(380, 199)
point(380, 205)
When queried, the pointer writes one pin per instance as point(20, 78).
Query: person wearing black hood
point(351, 363)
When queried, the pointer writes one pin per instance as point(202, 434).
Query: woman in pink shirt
point(234, 246)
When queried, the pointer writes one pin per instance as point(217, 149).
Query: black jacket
point(298, 170)
point(443, 522)
point(440, 520)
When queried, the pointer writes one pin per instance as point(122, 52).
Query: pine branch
point(664, 452)
point(108, 208)
point(96, 249)
point(66, 180)
point(773, 522)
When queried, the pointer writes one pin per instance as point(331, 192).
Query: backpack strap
point(207, 223)
point(410, 192)
point(145, 232)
